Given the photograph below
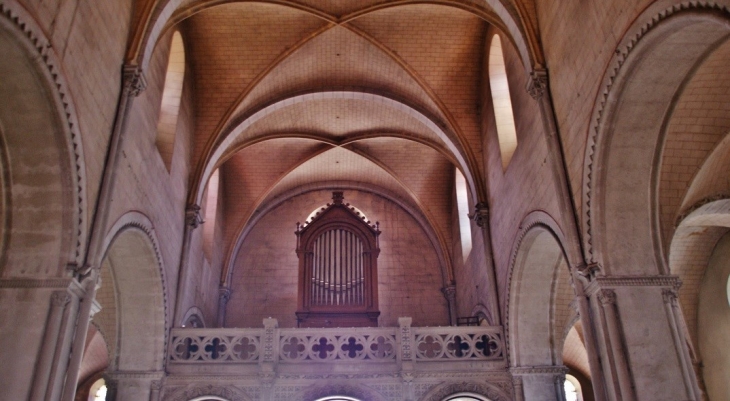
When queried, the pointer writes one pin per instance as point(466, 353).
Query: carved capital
point(537, 84)
point(669, 295)
point(481, 214)
point(607, 297)
point(193, 218)
point(134, 80)
point(449, 292)
point(224, 294)
point(156, 385)
point(60, 298)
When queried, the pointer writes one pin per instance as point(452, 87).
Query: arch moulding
point(599, 131)
point(492, 392)
point(532, 220)
point(29, 34)
point(134, 220)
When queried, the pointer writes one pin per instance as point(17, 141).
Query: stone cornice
point(633, 281)
point(122, 375)
point(36, 283)
point(538, 370)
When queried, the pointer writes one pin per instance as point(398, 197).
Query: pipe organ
point(338, 253)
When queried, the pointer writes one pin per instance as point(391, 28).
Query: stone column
point(589, 335)
point(224, 295)
point(539, 383)
point(674, 315)
point(481, 217)
point(450, 295)
point(155, 388)
point(87, 309)
point(607, 299)
point(193, 220)
point(41, 378)
point(636, 339)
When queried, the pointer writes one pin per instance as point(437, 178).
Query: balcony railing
point(347, 345)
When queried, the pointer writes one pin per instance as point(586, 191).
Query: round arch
point(537, 258)
point(218, 154)
point(450, 390)
point(132, 256)
point(627, 133)
point(42, 160)
point(423, 221)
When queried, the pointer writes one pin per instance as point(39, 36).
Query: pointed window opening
point(462, 207)
point(502, 102)
point(171, 95)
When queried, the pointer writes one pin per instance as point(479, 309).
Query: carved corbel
point(537, 83)
point(481, 214)
point(193, 218)
point(134, 81)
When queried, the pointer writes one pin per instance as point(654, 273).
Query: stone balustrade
point(370, 345)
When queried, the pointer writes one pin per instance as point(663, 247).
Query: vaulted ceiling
point(372, 94)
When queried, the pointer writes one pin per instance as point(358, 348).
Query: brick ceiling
point(418, 64)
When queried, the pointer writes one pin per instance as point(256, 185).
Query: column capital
point(669, 295)
point(606, 296)
point(481, 214)
point(193, 217)
point(134, 80)
point(537, 83)
point(60, 298)
point(449, 292)
point(224, 293)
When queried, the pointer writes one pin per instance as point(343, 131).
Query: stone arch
point(42, 157)
point(217, 155)
point(693, 256)
point(193, 318)
point(133, 258)
point(629, 124)
point(488, 390)
point(342, 389)
point(537, 258)
point(196, 392)
point(437, 240)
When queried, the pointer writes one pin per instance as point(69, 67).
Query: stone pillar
point(224, 295)
point(481, 217)
point(450, 295)
point(680, 343)
point(539, 383)
point(41, 378)
point(589, 335)
point(155, 388)
point(637, 342)
point(87, 309)
point(269, 358)
point(193, 220)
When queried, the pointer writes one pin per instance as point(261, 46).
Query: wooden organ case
point(338, 268)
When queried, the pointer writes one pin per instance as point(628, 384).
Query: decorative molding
point(628, 43)
point(130, 374)
point(537, 83)
point(489, 390)
point(224, 294)
point(633, 281)
point(449, 293)
point(36, 283)
point(137, 220)
point(481, 215)
point(28, 28)
point(346, 389)
point(538, 370)
point(134, 80)
point(190, 392)
point(697, 205)
point(193, 218)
